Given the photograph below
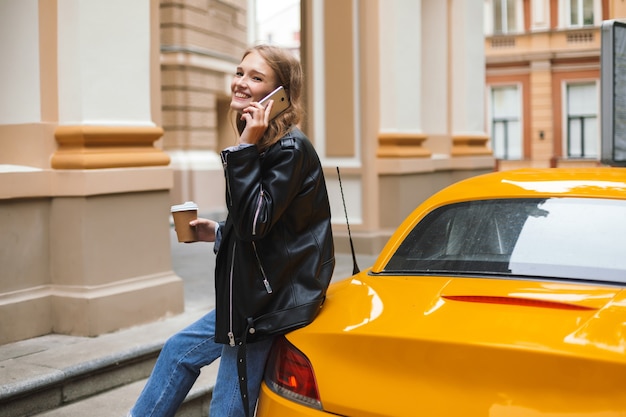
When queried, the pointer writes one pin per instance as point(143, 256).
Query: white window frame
point(490, 116)
point(566, 115)
point(564, 16)
point(489, 11)
point(540, 15)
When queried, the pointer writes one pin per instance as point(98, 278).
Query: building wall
point(201, 44)
point(111, 111)
point(542, 55)
point(395, 100)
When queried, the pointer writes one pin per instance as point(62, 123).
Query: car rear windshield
point(563, 238)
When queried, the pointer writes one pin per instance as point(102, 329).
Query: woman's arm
point(257, 197)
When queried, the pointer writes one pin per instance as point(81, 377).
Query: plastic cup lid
point(188, 205)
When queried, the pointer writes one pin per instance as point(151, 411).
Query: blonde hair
point(288, 74)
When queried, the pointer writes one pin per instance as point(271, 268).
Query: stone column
point(401, 133)
point(109, 229)
point(542, 150)
point(84, 200)
point(468, 79)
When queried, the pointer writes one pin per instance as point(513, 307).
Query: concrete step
point(53, 372)
point(117, 402)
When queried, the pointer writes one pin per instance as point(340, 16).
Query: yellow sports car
point(501, 295)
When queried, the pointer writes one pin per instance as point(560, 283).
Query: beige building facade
point(112, 111)
point(543, 80)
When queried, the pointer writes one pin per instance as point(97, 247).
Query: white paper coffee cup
point(183, 214)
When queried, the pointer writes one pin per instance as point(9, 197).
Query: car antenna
point(355, 267)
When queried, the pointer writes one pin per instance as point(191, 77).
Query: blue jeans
point(179, 364)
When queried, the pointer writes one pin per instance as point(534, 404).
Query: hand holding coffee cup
point(183, 214)
point(206, 230)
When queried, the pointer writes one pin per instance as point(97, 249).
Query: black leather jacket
point(275, 257)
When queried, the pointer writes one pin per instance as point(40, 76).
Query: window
point(582, 121)
point(506, 135)
point(580, 12)
point(504, 19)
point(545, 238)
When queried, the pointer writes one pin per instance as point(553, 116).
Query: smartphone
point(281, 101)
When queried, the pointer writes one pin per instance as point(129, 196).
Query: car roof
point(600, 182)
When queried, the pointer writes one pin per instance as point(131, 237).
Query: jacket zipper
point(266, 282)
point(225, 165)
point(231, 335)
point(256, 213)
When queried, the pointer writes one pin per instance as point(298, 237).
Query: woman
point(274, 251)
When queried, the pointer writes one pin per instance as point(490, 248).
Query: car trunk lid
point(475, 346)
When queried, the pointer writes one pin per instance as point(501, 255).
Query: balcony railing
point(563, 40)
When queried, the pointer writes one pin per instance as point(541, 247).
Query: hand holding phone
point(281, 101)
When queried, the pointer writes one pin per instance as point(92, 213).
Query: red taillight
point(290, 374)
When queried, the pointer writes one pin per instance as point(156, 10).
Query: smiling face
point(253, 80)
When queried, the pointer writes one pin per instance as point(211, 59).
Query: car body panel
point(412, 345)
point(442, 355)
